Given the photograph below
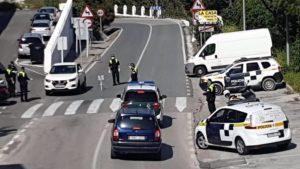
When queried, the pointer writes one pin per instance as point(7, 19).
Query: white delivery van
point(223, 49)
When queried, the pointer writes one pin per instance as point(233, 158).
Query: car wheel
point(79, 88)
point(283, 146)
point(200, 70)
point(241, 147)
point(84, 85)
point(218, 88)
point(113, 154)
point(200, 141)
point(47, 93)
point(268, 84)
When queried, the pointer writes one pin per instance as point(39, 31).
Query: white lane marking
point(182, 43)
point(30, 112)
point(180, 103)
point(4, 107)
point(145, 47)
point(93, 108)
point(104, 52)
point(115, 105)
point(16, 62)
point(98, 147)
point(52, 109)
point(73, 107)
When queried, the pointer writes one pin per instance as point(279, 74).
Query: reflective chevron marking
point(30, 112)
point(52, 109)
point(94, 107)
point(73, 107)
point(180, 103)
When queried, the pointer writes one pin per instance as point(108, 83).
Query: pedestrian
point(134, 72)
point(23, 78)
point(10, 81)
point(210, 96)
point(14, 73)
point(114, 67)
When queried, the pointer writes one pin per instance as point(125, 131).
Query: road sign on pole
point(87, 12)
point(198, 5)
point(100, 13)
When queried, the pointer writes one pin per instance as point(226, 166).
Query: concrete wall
point(63, 28)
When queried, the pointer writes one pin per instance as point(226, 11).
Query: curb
point(290, 89)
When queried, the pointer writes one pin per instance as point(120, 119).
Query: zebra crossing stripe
point(93, 108)
point(52, 109)
point(30, 112)
point(73, 107)
point(115, 105)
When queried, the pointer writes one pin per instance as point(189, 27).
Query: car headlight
point(71, 80)
point(47, 80)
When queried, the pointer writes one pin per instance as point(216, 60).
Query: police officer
point(10, 81)
point(114, 67)
point(210, 96)
point(134, 72)
point(23, 78)
point(14, 73)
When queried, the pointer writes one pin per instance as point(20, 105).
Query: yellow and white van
point(244, 126)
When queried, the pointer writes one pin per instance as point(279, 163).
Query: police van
point(261, 72)
point(244, 126)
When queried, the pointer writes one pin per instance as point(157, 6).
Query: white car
point(144, 93)
point(43, 27)
point(244, 126)
point(64, 77)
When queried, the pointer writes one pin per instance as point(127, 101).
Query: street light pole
point(244, 16)
point(287, 40)
point(156, 4)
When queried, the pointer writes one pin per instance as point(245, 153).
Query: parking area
point(227, 158)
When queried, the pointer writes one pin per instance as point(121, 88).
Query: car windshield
point(69, 69)
point(135, 121)
point(226, 68)
point(40, 25)
point(140, 96)
point(47, 10)
point(30, 40)
point(41, 17)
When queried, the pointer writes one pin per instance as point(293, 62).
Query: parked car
point(41, 16)
point(244, 126)
point(27, 39)
point(65, 76)
point(53, 11)
point(262, 72)
point(43, 27)
point(135, 130)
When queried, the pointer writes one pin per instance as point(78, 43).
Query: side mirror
point(163, 97)
point(118, 95)
point(111, 121)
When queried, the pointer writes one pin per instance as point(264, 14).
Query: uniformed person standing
point(10, 81)
point(114, 67)
point(14, 74)
point(23, 78)
point(210, 96)
point(134, 72)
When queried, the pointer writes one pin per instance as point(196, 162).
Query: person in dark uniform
point(10, 81)
point(114, 67)
point(23, 78)
point(210, 96)
point(134, 72)
point(14, 74)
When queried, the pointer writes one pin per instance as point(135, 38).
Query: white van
point(222, 49)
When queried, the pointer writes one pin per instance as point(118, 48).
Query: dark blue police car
point(135, 131)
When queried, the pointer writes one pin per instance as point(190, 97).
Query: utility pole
point(244, 16)
point(156, 4)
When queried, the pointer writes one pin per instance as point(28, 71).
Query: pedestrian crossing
point(109, 105)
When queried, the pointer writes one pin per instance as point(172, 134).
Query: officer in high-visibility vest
point(210, 96)
point(23, 78)
point(10, 81)
point(14, 73)
point(134, 72)
point(114, 67)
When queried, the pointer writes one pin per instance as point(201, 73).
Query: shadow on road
point(7, 103)
point(67, 93)
point(6, 131)
point(168, 121)
point(12, 166)
point(5, 19)
point(166, 150)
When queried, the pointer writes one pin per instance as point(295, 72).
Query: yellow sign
point(209, 15)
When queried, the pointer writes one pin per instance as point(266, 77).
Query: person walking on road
point(134, 72)
point(10, 81)
point(23, 78)
point(210, 96)
point(114, 67)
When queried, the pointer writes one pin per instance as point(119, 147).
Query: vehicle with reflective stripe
point(245, 126)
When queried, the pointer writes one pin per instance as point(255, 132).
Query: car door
point(209, 54)
point(235, 77)
point(214, 126)
point(254, 76)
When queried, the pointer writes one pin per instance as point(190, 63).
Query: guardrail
point(134, 14)
point(63, 28)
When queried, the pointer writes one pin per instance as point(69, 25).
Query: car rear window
point(30, 40)
point(140, 96)
point(135, 121)
point(41, 17)
point(270, 115)
point(40, 25)
point(48, 10)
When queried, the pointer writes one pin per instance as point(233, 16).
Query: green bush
point(230, 28)
point(295, 56)
point(293, 79)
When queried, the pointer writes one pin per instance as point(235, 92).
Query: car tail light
point(156, 105)
point(116, 135)
point(157, 135)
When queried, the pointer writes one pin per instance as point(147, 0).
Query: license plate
point(136, 138)
point(273, 134)
point(59, 86)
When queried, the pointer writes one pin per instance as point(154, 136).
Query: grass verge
point(293, 79)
